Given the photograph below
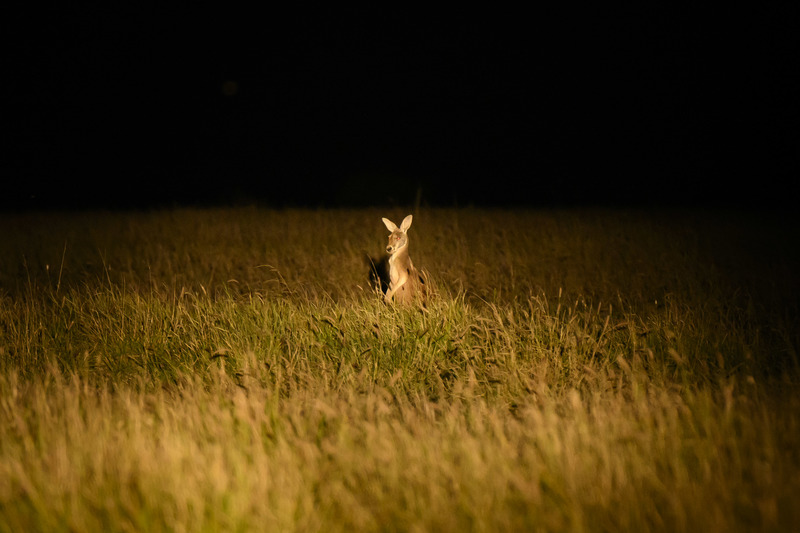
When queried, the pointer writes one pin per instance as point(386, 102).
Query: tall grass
point(231, 369)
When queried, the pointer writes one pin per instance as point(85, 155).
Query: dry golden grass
point(230, 369)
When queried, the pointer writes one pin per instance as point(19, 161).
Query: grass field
point(232, 370)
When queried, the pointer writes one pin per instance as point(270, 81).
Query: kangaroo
point(405, 282)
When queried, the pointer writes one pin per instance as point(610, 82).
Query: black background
point(333, 106)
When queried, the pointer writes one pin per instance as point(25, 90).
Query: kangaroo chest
point(399, 265)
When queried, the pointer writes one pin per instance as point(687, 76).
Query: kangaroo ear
point(391, 226)
point(406, 223)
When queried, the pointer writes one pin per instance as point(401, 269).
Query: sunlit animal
point(406, 284)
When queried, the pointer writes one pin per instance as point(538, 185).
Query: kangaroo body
point(405, 282)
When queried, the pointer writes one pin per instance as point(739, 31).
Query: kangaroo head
point(399, 237)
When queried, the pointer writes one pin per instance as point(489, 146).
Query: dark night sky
point(368, 107)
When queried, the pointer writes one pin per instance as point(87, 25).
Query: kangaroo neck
point(400, 254)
